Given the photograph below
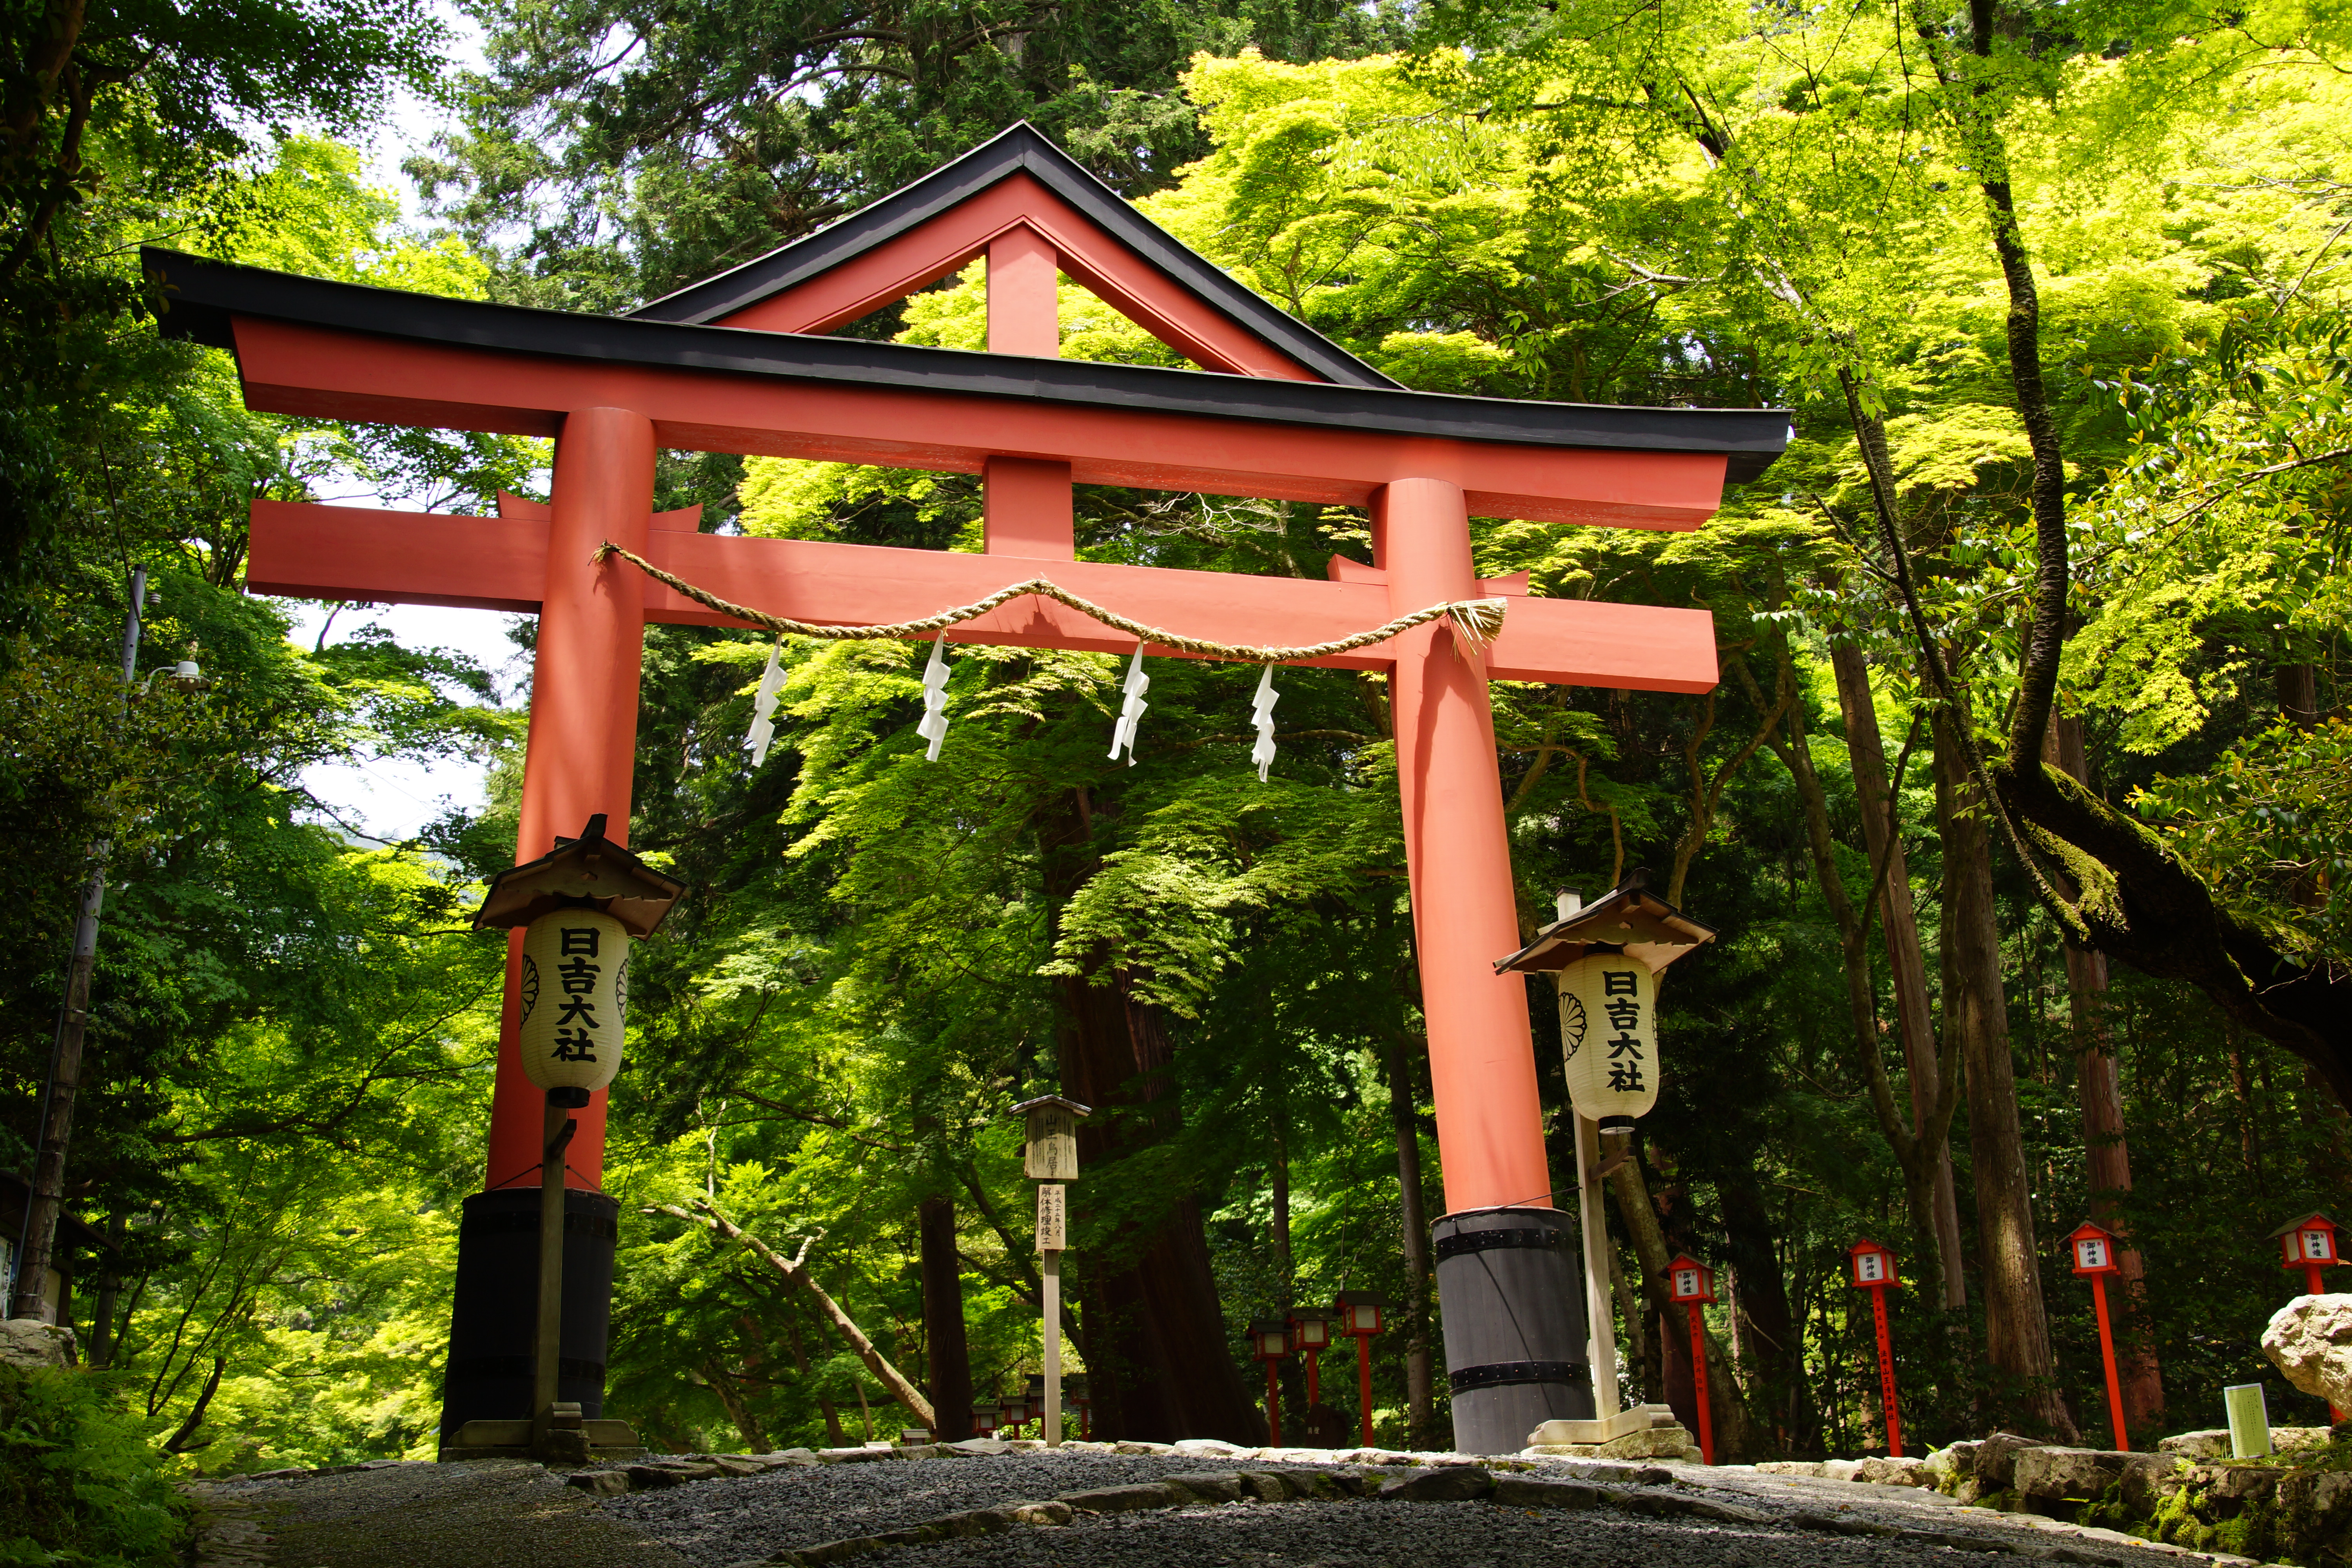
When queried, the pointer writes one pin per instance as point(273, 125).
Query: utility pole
point(30, 1267)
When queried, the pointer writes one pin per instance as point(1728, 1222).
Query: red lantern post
point(2094, 1258)
point(1693, 1285)
point(2309, 1244)
point(1874, 1270)
point(1360, 1320)
point(1311, 1333)
point(1270, 1341)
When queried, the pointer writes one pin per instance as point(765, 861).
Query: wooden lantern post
point(1874, 1270)
point(1359, 1312)
point(1050, 1157)
point(1605, 959)
point(2310, 1244)
point(1269, 1342)
point(578, 907)
point(2093, 1251)
point(1693, 1285)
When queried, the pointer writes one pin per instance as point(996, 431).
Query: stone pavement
point(945, 1506)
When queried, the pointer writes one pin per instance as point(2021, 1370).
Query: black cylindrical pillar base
point(1515, 1330)
point(497, 1303)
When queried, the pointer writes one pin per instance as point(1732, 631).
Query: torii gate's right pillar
point(1515, 1328)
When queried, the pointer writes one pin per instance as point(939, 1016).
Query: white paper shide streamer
point(763, 706)
point(1130, 710)
point(934, 725)
point(1262, 715)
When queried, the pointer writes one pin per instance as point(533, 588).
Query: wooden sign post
point(1874, 1270)
point(1050, 1157)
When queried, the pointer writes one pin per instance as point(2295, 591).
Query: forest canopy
point(2021, 809)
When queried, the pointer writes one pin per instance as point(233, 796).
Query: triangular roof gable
point(888, 248)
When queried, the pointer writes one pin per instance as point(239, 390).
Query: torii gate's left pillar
point(580, 761)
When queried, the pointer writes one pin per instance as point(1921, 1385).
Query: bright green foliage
point(79, 1486)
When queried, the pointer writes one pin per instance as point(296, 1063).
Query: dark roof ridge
point(202, 295)
point(1020, 148)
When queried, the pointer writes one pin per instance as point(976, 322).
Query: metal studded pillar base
point(1515, 1328)
point(496, 1301)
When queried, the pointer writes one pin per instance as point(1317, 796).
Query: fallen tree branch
point(797, 1273)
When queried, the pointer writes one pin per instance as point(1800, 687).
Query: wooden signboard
point(1053, 1232)
point(1052, 1151)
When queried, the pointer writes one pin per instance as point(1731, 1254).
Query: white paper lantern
point(1609, 1031)
point(575, 990)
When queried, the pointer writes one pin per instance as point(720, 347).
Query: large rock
point(1886, 1471)
point(1653, 1442)
point(1997, 1459)
point(29, 1342)
point(2057, 1475)
point(2310, 1341)
point(2213, 1443)
point(1950, 1465)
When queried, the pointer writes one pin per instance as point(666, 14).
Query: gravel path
point(713, 1523)
point(1408, 1535)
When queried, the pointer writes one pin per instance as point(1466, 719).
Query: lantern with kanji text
point(2309, 1244)
point(1874, 1270)
point(1692, 1283)
point(578, 907)
point(1605, 960)
point(2092, 1249)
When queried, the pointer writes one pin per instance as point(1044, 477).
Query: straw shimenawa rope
point(1477, 622)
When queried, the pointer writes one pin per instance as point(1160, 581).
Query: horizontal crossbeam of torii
point(1307, 423)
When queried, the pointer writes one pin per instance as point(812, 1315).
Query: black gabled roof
point(1022, 148)
point(199, 297)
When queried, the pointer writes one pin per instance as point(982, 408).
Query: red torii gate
point(1295, 418)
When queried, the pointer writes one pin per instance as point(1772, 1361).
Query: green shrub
point(80, 1487)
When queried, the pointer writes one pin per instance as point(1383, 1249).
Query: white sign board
point(1053, 1232)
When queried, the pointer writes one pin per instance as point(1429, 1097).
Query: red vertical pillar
point(2107, 1354)
point(1482, 1063)
point(1699, 1381)
point(1026, 504)
point(1024, 300)
point(1886, 1375)
point(581, 754)
point(1273, 1405)
point(1364, 1384)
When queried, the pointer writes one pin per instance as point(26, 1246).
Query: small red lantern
point(1693, 1284)
point(1691, 1280)
point(1360, 1320)
point(2092, 1249)
point(1873, 1266)
point(1311, 1333)
point(983, 1417)
point(2309, 1244)
point(1270, 1339)
point(1011, 1414)
point(1874, 1270)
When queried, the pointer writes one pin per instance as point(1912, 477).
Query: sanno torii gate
point(738, 364)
